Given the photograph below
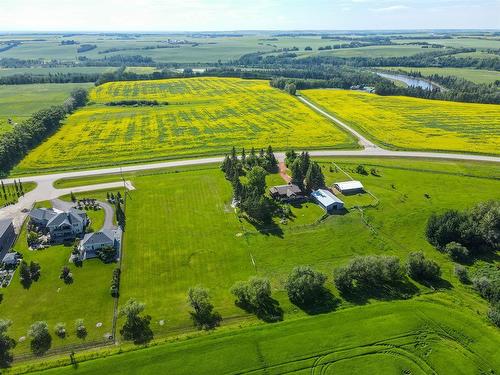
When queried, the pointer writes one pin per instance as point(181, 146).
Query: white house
point(327, 200)
point(349, 187)
point(93, 242)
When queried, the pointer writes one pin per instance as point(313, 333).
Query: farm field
point(18, 102)
point(474, 75)
point(413, 123)
point(423, 336)
point(163, 258)
point(204, 116)
point(40, 71)
point(51, 300)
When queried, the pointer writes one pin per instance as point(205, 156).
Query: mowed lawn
point(50, 299)
point(182, 232)
point(18, 102)
point(423, 336)
point(413, 123)
point(204, 116)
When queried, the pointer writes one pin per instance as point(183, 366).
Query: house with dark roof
point(286, 193)
point(7, 234)
point(61, 225)
point(93, 242)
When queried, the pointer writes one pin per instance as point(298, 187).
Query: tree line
point(25, 136)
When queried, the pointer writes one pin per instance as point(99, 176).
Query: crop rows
point(206, 115)
point(411, 123)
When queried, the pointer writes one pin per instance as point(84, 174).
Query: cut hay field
point(424, 336)
point(18, 102)
point(474, 75)
point(204, 116)
point(415, 124)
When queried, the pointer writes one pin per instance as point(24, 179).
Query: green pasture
point(18, 102)
point(427, 335)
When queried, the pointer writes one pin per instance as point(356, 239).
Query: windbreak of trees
point(28, 78)
point(25, 136)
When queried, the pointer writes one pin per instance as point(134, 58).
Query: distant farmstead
point(286, 193)
point(349, 187)
point(327, 200)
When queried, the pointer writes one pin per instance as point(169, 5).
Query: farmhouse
point(327, 200)
point(286, 193)
point(349, 187)
point(61, 225)
point(93, 242)
point(7, 234)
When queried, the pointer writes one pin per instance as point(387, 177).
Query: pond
point(410, 81)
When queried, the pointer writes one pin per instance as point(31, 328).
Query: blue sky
point(196, 15)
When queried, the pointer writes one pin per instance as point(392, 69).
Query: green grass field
point(18, 102)
point(474, 75)
point(182, 232)
point(424, 336)
point(400, 122)
point(204, 116)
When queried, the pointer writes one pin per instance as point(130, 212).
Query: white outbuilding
point(327, 200)
point(349, 187)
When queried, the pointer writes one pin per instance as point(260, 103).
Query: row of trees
point(14, 145)
point(306, 174)
point(250, 196)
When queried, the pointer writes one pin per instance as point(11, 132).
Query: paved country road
point(45, 189)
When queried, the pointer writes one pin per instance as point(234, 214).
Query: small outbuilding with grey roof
point(349, 187)
point(7, 235)
point(327, 200)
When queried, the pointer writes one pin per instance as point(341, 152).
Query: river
point(410, 81)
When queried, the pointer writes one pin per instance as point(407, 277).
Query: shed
point(327, 200)
point(349, 187)
point(7, 234)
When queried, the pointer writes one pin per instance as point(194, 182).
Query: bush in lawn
point(60, 330)
point(80, 329)
point(25, 275)
point(494, 314)
point(368, 272)
point(115, 283)
point(41, 340)
point(305, 285)
point(461, 273)
point(204, 316)
point(488, 288)
point(6, 344)
point(66, 275)
point(457, 252)
point(445, 228)
point(361, 170)
point(136, 327)
point(35, 270)
point(255, 296)
point(422, 269)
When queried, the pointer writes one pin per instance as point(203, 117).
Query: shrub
point(81, 330)
point(487, 288)
point(304, 285)
point(457, 252)
point(494, 314)
point(461, 273)
point(368, 272)
point(60, 330)
point(40, 338)
point(422, 269)
point(204, 316)
point(6, 344)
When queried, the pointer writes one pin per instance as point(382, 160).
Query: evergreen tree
point(120, 215)
point(314, 177)
point(243, 156)
point(271, 161)
point(297, 175)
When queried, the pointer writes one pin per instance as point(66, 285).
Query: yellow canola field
point(204, 116)
point(418, 124)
